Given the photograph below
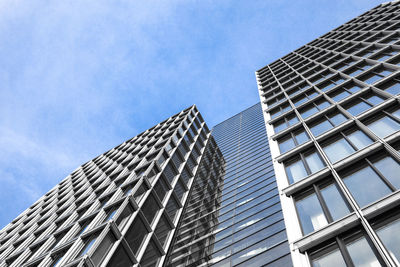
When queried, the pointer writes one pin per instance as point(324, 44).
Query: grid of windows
point(118, 209)
point(343, 88)
point(236, 220)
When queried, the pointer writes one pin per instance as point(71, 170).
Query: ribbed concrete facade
point(119, 209)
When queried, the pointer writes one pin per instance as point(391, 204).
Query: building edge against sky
point(332, 115)
point(323, 151)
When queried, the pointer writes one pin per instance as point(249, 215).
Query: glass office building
point(236, 220)
point(332, 115)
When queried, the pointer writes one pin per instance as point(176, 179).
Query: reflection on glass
point(310, 214)
point(296, 171)
point(338, 150)
point(359, 139)
point(338, 118)
point(358, 108)
point(389, 234)
point(286, 145)
point(314, 162)
point(335, 202)
point(362, 254)
point(301, 137)
point(384, 127)
point(390, 170)
point(332, 259)
point(366, 186)
point(321, 128)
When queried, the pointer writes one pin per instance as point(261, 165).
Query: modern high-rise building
point(332, 115)
point(237, 219)
point(119, 209)
point(308, 177)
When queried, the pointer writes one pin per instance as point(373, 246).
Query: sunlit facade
point(332, 115)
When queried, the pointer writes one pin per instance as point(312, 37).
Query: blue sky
point(79, 77)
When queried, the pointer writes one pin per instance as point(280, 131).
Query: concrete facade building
point(332, 115)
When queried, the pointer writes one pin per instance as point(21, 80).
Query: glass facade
point(342, 91)
point(236, 221)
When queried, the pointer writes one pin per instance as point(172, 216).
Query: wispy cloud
point(79, 77)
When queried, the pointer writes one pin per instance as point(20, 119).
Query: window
point(292, 139)
point(88, 245)
point(330, 83)
point(386, 54)
point(383, 124)
point(331, 259)
point(357, 247)
point(303, 165)
point(313, 108)
point(361, 253)
point(344, 91)
point(327, 122)
point(285, 122)
point(322, 205)
point(392, 86)
point(372, 178)
point(150, 208)
point(280, 110)
point(363, 103)
point(110, 214)
point(303, 98)
point(391, 240)
point(375, 75)
point(357, 69)
point(297, 89)
point(345, 144)
point(369, 51)
point(136, 234)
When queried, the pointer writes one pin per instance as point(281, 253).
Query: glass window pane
point(353, 88)
point(310, 214)
point(338, 150)
point(323, 105)
point(314, 162)
point(296, 171)
point(337, 119)
point(359, 139)
point(308, 112)
point(279, 127)
point(335, 202)
point(301, 137)
point(391, 240)
point(390, 169)
point(375, 100)
point(320, 128)
point(358, 108)
point(362, 254)
point(332, 259)
point(396, 113)
point(286, 145)
point(372, 79)
point(87, 246)
point(293, 120)
point(366, 186)
point(339, 95)
point(384, 126)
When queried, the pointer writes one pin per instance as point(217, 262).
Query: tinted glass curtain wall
point(239, 222)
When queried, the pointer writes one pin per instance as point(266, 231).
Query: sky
point(78, 78)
